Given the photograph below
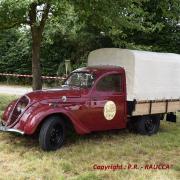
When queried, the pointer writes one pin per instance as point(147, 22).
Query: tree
point(112, 19)
point(15, 51)
point(165, 39)
point(34, 14)
point(37, 28)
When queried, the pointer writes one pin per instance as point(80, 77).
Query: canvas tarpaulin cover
point(149, 75)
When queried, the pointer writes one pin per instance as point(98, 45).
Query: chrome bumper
point(6, 129)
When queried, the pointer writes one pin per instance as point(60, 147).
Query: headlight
point(22, 104)
point(21, 107)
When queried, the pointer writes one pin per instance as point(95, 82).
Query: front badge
point(64, 98)
point(109, 110)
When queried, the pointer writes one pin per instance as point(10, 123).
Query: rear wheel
point(147, 125)
point(52, 133)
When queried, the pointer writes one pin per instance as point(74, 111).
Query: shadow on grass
point(73, 137)
point(31, 142)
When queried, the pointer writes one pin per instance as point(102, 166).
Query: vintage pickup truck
point(119, 88)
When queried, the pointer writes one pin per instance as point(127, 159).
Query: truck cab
point(90, 99)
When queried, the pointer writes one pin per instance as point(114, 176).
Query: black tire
point(52, 133)
point(147, 125)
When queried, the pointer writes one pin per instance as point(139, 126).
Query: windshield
point(80, 79)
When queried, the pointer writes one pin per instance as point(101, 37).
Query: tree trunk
point(37, 32)
point(36, 65)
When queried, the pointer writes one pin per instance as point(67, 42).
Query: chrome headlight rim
point(21, 107)
point(22, 104)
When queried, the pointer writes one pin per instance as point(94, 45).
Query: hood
point(55, 93)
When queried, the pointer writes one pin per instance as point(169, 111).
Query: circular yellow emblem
point(109, 110)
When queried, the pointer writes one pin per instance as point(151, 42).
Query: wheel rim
point(56, 136)
point(149, 125)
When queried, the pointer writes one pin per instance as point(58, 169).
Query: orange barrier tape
point(30, 76)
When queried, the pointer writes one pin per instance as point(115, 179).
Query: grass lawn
point(21, 157)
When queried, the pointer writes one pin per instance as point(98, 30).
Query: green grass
point(21, 157)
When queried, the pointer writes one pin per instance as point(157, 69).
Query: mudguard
point(35, 115)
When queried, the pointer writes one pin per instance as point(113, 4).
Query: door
point(107, 104)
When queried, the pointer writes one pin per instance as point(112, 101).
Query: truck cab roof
point(100, 69)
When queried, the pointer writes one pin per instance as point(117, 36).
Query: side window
point(110, 83)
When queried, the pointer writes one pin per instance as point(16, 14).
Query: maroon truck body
point(98, 107)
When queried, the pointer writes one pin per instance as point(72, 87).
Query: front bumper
point(6, 129)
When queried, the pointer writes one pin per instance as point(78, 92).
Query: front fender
point(8, 110)
point(37, 114)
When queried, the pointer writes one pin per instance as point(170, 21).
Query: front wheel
point(147, 125)
point(52, 133)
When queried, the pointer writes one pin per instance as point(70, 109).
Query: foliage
point(13, 13)
point(74, 28)
point(15, 52)
point(165, 39)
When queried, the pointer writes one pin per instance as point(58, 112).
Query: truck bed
point(149, 75)
point(138, 108)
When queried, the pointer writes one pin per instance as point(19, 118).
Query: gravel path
point(14, 90)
